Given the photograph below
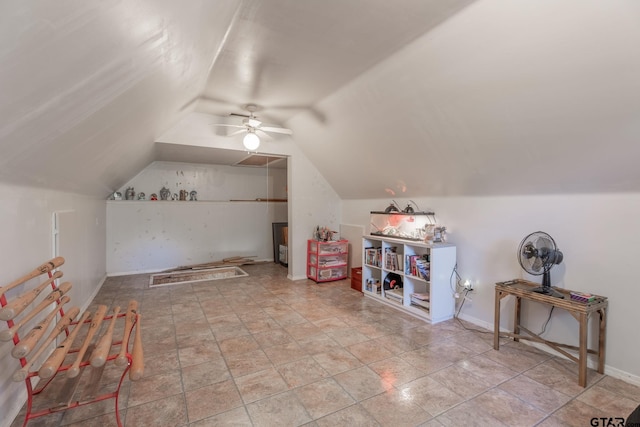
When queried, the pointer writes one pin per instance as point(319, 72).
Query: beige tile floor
point(264, 351)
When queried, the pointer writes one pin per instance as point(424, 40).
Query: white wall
point(151, 236)
point(598, 235)
point(312, 202)
point(155, 235)
point(26, 230)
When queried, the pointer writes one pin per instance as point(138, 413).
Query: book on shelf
point(407, 264)
point(394, 294)
point(373, 256)
point(391, 259)
point(418, 266)
point(421, 296)
point(420, 306)
point(424, 269)
point(420, 300)
point(369, 256)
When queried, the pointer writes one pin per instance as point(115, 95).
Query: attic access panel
point(259, 160)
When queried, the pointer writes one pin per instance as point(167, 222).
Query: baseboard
point(87, 303)
point(622, 375)
point(130, 273)
point(593, 364)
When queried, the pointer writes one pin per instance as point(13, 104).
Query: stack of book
point(421, 300)
point(394, 295)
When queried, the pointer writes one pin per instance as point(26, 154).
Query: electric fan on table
point(537, 253)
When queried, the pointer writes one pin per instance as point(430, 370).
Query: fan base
point(547, 291)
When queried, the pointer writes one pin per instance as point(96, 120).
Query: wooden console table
point(522, 289)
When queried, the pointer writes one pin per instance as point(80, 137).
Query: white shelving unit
point(378, 253)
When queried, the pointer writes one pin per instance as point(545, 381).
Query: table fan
point(537, 253)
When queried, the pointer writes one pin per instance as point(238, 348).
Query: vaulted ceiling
point(410, 97)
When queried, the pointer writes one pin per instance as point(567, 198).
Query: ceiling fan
point(253, 128)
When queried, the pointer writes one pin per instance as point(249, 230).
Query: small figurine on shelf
point(165, 193)
point(193, 196)
point(434, 234)
point(153, 197)
point(183, 195)
point(323, 234)
point(439, 234)
point(142, 196)
point(130, 194)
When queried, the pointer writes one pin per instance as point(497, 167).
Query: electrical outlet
point(468, 285)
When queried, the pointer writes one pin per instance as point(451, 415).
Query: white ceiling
point(286, 55)
point(410, 97)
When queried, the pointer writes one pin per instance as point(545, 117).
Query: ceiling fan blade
point(263, 135)
point(238, 132)
point(276, 130)
point(228, 126)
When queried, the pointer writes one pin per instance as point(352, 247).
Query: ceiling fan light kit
point(251, 141)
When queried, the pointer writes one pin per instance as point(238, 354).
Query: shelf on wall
point(200, 201)
point(258, 200)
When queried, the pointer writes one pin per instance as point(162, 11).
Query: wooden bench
point(43, 335)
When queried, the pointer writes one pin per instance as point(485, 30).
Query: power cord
point(464, 298)
point(477, 330)
point(457, 282)
point(457, 316)
point(544, 327)
point(459, 286)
